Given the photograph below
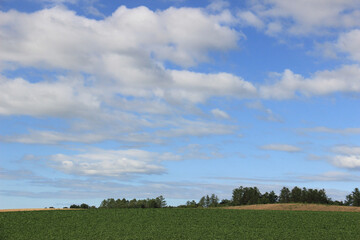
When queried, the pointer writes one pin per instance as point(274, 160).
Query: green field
point(178, 224)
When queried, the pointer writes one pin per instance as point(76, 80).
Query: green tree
point(356, 197)
point(273, 198)
point(295, 195)
point(201, 202)
point(84, 206)
point(237, 196)
point(214, 200)
point(284, 195)
point(160, 201)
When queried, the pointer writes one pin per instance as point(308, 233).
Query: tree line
point(252, 195)
point(240, 196)
point(158, 202)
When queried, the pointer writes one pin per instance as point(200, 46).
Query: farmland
point(170, 223)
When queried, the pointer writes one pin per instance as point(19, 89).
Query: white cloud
point(197, 87)
point(348, 43)
point(124, 52)
point(112, 163)
point(345, 45)
point(54, 37)
point(63, 98)
point(348, 157)
point(219, 113)
point(127, 85)
point(347, 161)
point(304, 17)
point(281, 147)
point(344, 79)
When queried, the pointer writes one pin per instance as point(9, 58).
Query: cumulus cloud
point(344, 79)
point(112, 163)
point(303, 17)
point(125, 83)
point(124, 52)
point(54, 37)
point(347, 157)
point(347, 161)
point(197, 87)
point(344, 46)
point(281, 147)
point(347, 43)
point(62, 98)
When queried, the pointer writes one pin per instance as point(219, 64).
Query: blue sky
point(138, 99)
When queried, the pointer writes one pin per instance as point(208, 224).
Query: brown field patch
point(35, 209)
point(297, 207)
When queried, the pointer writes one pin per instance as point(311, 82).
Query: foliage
point(246, 196)
point(83, 206)
point(353, 199)
point(284, 195)
point(209, 201)
point(252, 195)
point(177, 223)
point(158, 202)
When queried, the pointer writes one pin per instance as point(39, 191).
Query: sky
point(180, 98)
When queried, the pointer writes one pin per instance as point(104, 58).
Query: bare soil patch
point(298, 207)
point(34, 209)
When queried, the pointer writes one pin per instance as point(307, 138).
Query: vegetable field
point(170, 223)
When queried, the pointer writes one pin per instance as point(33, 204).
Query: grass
point(178, 224)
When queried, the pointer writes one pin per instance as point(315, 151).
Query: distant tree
point(191, 204)
point(103, 204)
point(349, 200)
point(151, 203)
point(202, 202)
point(160, 201)
point(133, 203)
point(295, 195)
point(109, 203)
point(273, 198)
point(84, 206)
point(265, 198)
point(214, 200)
point(356, 197)
point(74, 206)
point(207, 201)
point(237, 196)
point(353, 199)
point(284, 195)
point(225, 202)
point(304, 195)
point(246, 196)
point(323, 198)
